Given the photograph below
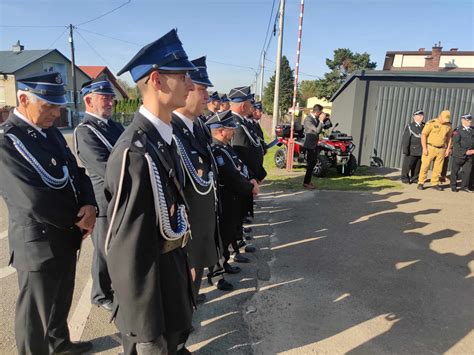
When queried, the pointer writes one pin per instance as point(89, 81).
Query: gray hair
point(33, 99)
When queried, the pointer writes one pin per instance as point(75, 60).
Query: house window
point(59, 67)
point(70, 97)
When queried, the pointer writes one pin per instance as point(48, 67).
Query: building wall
point(7, 90)
point(323, 102)
point(389, 108)
point(456, 61)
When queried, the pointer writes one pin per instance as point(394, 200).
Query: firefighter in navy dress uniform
point(148, 221)
point(412, 149)
point(51, 208)
point(201, 175)
point(463, 153)
point(94, 139)
point(244, 142)
point(235, 185)
point(224, 103)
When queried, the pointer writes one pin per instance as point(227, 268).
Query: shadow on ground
point(361, 278)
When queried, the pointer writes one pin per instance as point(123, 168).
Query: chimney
point(421, 50)
point(453, 49)
point(432, 61)
point(18, 48)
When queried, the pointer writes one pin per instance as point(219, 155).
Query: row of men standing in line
point(434, 142)
point(162, 180)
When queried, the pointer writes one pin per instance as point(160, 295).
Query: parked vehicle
point(335, 151)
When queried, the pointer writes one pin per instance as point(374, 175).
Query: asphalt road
point(378, 273)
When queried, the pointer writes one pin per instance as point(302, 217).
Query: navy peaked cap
point(200, 76)
point(100, 85)
point(240, 94)
point(165, 54)
point(46, 86)
point(221, 119)
point(214, 96)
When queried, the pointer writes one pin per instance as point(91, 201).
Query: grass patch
point(364, 179)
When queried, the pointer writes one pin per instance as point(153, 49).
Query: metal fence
point(395, 106)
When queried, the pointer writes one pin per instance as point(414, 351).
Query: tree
point(287, 81)
point(308, 88)
point(132, 91)
point(342, 65)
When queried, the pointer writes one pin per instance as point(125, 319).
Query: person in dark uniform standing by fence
point(463, 153)
point(236, 187)
point(201, 179)
point(312, 128)
point(412, 149)
point(94, 139)
point(51, 208)
point(149, 229)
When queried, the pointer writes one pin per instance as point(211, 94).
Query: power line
point(57, 39)
point(110, 37)
point(232, 65)
point(29, 26)
point(95, 51)
point(105, 14)
point(268, 26)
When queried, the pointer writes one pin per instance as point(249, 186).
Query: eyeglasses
point(185, 75)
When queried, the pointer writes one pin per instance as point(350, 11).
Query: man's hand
point(470, 152)
point(87, 219)
point(256, 188)
point(447, 153)
point(193, 274)
point(425, 151)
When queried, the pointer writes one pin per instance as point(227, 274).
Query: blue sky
point(233, 31)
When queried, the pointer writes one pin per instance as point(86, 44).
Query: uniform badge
point(31, 132)
point(185, 130)
point(58, 79)
point(200, 160)
point(53, 161)
point(220, 160)
point(138, 144)
point(159, 144)
point(172, 209)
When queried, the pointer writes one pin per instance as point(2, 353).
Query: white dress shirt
point(164, 129)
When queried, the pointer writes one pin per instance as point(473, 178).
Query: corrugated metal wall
point(395, 105)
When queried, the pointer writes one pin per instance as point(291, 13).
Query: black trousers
point(411, 168)
point(197, 281)
point(101, 284)
point(175, 344)
point(43, 306)
point(311, 159)
point(456, 165)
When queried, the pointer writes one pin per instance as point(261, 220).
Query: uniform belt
point(170, 245)
point(439, 147)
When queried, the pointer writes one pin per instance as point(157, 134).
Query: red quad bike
point(335, 151)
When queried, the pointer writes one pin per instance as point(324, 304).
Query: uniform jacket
point(152, 290)
point(41, 219)
point(411, 140)
point(248, 148)
point(203, 248)
point(93, 152)
point(235, 189)
point(463, 140)
point(312, 128)
point(437, 134)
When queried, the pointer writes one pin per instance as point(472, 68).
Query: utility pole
point(262, 75)
point(291, 141)
point(73, 74)
point(276, 96)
